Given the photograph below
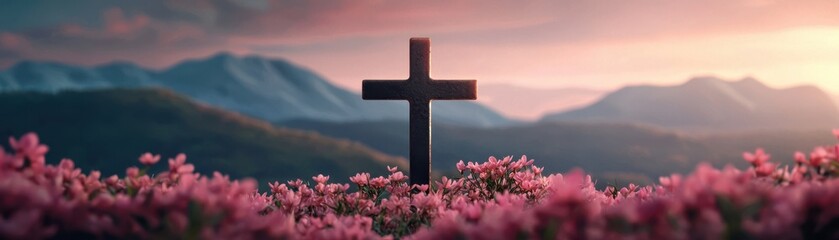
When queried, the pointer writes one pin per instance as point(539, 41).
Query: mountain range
point(709, 103)
point(108, 129)
point(204, 107)
point(269, 89)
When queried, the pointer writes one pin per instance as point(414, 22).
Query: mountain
point(269, 89)
point(611, 152)
point(533, 103)
point(108, 129)
point(708, 103)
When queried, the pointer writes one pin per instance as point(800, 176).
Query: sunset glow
point(433, 119)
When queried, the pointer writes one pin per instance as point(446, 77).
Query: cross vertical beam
point(420, 142)
point(419, 90)
point(419, 123)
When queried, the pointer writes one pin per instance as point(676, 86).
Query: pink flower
point(461, 167)
point(178, 165)
point(758, 158)
point(765, 169)
point(27, 148)
point(521, 163)
point(397, 205)
point(797, 174)
point(379, 182)
point(446, 184)
point(800, 158)
point(426, 202)
point(277, 188)
point(497, 199)
point(321, 179)
point(672, 182)
point(290, 202)
point(537, 170)
point(818, 157)
point(149, 159)
point(296, 183)
point(132, 172)
point(361, 179)
point(397, 177)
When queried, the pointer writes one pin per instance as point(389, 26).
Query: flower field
point(498, 199)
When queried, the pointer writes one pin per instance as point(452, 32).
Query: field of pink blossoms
point(498, 199)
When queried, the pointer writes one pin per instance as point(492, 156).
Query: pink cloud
point(11, 41)
point(116, 27)
point(117, 24)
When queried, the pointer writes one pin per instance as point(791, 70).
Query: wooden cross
point(419, 89)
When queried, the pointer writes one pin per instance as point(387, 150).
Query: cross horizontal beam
point(419, 91)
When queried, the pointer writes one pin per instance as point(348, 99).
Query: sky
point(597, 44)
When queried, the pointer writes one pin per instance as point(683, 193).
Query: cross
point(419, 89)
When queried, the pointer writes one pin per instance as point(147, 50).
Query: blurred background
point(626, 90)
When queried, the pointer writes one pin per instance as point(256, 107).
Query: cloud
point(120, 35)
point(118, 30)
point(158, 32)
point(12, 41)
point(11, 46)
point(118, 25)
point(301, 22)
point(174, 27)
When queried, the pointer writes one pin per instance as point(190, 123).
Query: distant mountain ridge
point(270, 89)
point(710, 103)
